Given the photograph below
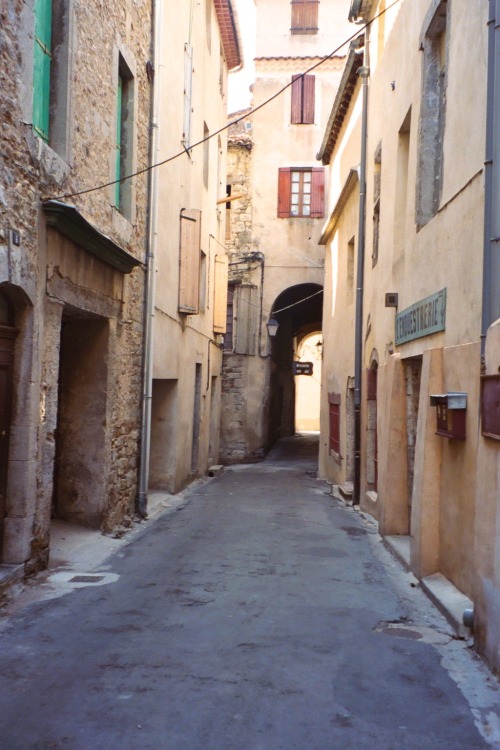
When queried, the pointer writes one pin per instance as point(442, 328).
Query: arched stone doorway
point(299, 311)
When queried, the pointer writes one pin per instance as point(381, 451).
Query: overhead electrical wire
point(252, 111)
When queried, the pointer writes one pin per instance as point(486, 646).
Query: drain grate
point(86, 579)
point(403, 633)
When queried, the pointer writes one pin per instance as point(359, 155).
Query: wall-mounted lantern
point(272, 327)
point(450, 414)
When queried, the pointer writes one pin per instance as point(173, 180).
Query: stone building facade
point(71, 266)
point(405, 225)
point(278, 267)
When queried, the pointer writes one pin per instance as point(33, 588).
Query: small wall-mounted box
point(450, 414)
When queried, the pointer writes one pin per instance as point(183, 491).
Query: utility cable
point(252, 111)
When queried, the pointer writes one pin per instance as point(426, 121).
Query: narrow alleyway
point(260, 614)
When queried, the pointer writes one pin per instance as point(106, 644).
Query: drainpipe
point(364, 72)
point(149, 292)
point(491, 254)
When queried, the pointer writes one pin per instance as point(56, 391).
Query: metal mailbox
point(450, 414)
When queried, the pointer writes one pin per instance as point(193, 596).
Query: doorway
point(79, 487)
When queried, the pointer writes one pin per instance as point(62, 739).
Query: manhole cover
point(86, 579)
point(403, 633)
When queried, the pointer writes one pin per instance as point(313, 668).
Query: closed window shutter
point(220, 293)
point(303, 90)
point(188, 89)
point(296, 115)
point(334, 414)
point(42, 61)
point(246, 319)
point(189, 261)
point(284, 190)
point(318, 193)
point(228, 338)
point(304, 16)
point(308, 100)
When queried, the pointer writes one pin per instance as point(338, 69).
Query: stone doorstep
point(449, 600)
point(442, 593)
point(10, 575)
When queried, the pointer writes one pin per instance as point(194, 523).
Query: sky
point(239, 83)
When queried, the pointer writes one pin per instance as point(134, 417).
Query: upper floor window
point(124, 137)
point(302, 100)
point(432, 114)
point(42, 67)
point(304, 16)
point(53, 74)
point(301, 192)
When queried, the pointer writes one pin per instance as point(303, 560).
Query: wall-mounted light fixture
point(272, 327)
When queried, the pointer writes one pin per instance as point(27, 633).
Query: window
point(377, 172)
point(304, 17)
point(302, 100)
point(301, 192)
point(228, 337)
point(432, 116)
point(220, 293)
point(206, 153)
point(124, 137)
point(42, 67)
point(247, 307)
point(334, 413)
point(188, 86)
point(190, 261)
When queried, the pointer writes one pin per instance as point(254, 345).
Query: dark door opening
point(79, 488)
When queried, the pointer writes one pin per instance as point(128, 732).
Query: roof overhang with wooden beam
point(229, 34)
point(342, 100)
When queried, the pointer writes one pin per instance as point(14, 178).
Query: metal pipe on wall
point(491, 253)
point(149, 293)
point(364, 72)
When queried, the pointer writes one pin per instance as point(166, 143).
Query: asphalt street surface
point(261, 614)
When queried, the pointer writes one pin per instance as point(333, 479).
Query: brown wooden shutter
point(296, 115)
point(228, 337)
point(308, 91)
point(189, 261)
point(318, 193)
point(220, 293)
point(334, 420)
point(304, 16)
point(284, 191)
point(247, 319)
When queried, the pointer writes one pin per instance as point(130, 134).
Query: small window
point(304, 17)
point(301, 193)
point(302, 100)
point(124, 138)
point(334, 415)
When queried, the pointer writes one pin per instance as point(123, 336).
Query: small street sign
point(302, 368)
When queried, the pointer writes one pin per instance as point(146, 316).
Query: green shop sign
point(421, 319)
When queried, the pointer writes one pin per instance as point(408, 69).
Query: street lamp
point(272, 327)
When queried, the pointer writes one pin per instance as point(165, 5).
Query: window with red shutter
point(303, 89)
point(304, 17)
point(301, 193)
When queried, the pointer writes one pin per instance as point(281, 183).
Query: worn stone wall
point(80, 156)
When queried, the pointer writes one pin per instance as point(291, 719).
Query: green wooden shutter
point(41, 73)
point(118, 163)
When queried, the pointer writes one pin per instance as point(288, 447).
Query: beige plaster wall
point(487, 528)
point(274, 38)
point(182, 341)
point(454, 515)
